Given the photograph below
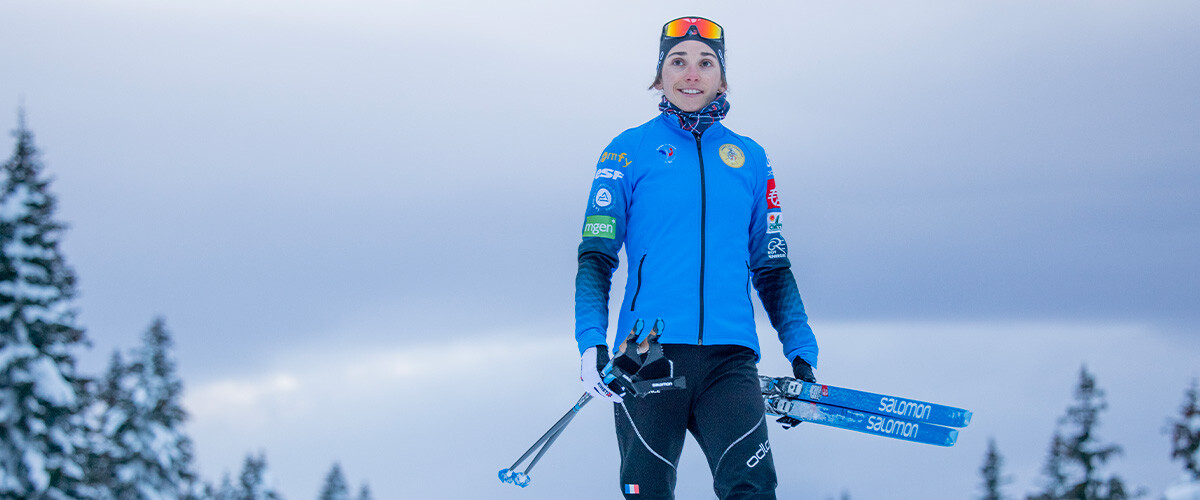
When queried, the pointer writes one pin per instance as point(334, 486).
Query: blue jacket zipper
point(703, 222)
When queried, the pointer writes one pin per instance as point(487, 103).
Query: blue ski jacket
point(701, 223)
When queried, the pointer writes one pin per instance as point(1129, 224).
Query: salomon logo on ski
point(796, 401)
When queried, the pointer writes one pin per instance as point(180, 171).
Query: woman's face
point(691, 75)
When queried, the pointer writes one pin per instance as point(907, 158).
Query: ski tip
point(951, 437)
point(967, 417)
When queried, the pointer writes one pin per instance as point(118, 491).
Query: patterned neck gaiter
point(698, 121)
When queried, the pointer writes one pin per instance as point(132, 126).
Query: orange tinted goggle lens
point(706, 29)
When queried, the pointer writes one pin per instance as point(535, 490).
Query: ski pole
point(510, 475)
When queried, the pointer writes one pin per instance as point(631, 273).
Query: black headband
point(666, 43)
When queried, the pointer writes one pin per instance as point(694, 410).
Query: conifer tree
point(993, 476)
point(141, 450)
point(335, 487)
point(41, 430)
point(1056, 477)
point(365, 493)
point(1077, 455)
point(1185, 433)
point(253, 482)
point(100, 415)
point(225, 491)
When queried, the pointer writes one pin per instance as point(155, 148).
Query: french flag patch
point(632, 489)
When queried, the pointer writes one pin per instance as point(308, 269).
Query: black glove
point(802, 370)
point(601, 357)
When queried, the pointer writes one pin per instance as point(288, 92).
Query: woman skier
point(695, 207)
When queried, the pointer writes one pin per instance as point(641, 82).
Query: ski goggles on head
point(703, 28)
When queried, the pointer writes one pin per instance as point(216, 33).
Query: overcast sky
point(358, 217)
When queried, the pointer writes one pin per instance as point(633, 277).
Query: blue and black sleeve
point(603, 234)
point(772, 273)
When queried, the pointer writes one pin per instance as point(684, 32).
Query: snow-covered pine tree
point(165, 451)
point(1185, 432)
point(101, 413)
point(225, 491)
point(1185, 447)
point(992, 471)
point(335, 487)
point(141, 449)
point(254, 481)
point(41, 430)
point(1077, 455)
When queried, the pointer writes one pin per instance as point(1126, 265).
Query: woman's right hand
point(593, 361)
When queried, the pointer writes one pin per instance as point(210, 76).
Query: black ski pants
point(722, 407)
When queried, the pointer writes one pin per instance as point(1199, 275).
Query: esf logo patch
point(608, 173)
point(667, 152)
point(774, 222)
point(621, 159)
point(600, 226)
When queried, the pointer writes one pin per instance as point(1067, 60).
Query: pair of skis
point(796, 401)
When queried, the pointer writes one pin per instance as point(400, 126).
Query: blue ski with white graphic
point(793, 411)
point(880, 404)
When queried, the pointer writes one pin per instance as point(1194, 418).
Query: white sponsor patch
point(603, 198)
point(774, 222)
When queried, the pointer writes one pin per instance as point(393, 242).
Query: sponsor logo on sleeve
point(600, 226)
point(776, 248)
point(772, 195)
point(774, 222)
point(621, 159)
point(608, 173)
point(603, 198)
point(732, 155)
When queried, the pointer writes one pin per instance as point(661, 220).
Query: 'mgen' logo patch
point(600, 226)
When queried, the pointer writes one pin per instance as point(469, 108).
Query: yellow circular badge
point(732, 155)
